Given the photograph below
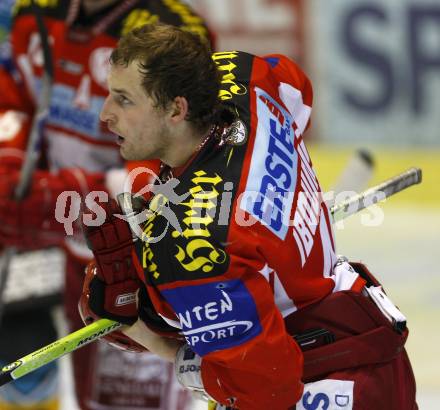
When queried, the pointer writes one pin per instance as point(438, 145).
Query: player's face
point(129, 113)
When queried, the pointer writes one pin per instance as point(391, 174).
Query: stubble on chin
point(135, 155)
point(125, 154)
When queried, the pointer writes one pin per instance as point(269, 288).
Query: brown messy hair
point(173, 63)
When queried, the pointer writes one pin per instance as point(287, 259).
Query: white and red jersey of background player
point(73, 135)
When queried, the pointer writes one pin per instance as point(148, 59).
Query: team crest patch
point(237, 133)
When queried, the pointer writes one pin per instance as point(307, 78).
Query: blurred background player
point(78, 154)
point(38, 326)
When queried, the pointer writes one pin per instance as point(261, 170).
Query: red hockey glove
point(112, 289)
point(115, 282)
point(116, 338)
point(32, 222)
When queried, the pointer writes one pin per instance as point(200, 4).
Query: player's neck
point(185, 146)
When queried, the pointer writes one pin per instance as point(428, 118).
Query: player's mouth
point(119, 139)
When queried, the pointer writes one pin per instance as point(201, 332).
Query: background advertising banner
point(256, 26)
point(375, 66)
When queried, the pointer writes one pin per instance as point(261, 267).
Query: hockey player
point(78, 153)
point(235, 270)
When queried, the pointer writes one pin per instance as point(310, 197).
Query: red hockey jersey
point(246, 239)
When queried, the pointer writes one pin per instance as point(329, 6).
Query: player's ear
point(179, 109)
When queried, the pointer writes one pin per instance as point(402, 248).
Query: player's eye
point(122, 100)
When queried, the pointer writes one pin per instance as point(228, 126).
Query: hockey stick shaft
point(57, 349)
point(375, 194)
point(102, 327)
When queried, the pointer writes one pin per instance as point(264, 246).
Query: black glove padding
point(147, 313)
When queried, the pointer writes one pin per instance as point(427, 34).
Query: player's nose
point(107, 114)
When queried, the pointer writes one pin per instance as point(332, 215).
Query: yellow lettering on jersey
point(203, 197)
point(202, 179)
point(138, 18)
point(190, 21)
point(148, 263)
point(27, 3)
point(200, 262)
point(229, 86)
